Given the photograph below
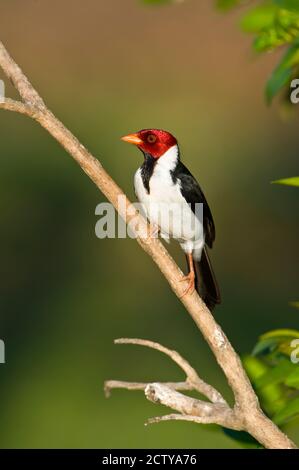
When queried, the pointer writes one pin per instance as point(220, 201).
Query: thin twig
point(18, 107)
point(179, 417)
point(191, 375)
point(109, 385)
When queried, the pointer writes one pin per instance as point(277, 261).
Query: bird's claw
point(191, 285)
point(154, 231)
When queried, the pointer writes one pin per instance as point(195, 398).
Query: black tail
point(205, 281)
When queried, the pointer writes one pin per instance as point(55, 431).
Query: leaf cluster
point(274, 24)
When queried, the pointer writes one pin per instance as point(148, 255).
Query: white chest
point(164, 204)
point(162, 189)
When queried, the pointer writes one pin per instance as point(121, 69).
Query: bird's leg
point(190, 277)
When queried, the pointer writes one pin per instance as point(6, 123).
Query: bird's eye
point(151, 138)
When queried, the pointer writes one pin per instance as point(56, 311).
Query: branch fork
point(214, 411)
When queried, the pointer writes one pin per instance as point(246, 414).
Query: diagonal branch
point(247, 404)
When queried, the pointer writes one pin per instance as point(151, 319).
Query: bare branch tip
point(170, 417)
point(107, 389)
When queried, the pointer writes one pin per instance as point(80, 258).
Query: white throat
point(169, 159)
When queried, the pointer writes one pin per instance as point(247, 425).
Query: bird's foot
point(154, 231)
point(191, 286)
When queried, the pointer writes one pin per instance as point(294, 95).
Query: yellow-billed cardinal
point(163, 181)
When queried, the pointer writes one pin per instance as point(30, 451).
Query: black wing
point(191, 191)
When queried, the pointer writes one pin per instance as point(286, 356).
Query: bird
point(170, 196)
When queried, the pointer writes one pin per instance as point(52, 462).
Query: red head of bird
point(152, 141)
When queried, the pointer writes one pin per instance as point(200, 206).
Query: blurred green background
point(107, 68)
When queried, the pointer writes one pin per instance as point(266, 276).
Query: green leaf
point(259, 18)
point(276, 374)
point(293, 379)
point(273, 347)
point(283, 332)
point(263, 346)
point(288, 181)
point(289, 411)
point(279, 78)
point(254, 366)
point(283, 72)
point(285, 347)
point(271, 396)
point(294, 304)
point(288, 4)
point(276, 340)
point(274, 26)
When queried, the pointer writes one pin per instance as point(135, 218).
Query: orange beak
point(132, 139)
